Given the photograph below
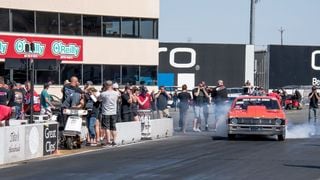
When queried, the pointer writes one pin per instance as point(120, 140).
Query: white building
point(119, 38)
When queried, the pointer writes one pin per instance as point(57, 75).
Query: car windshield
point(235, 90)
point(268, 103)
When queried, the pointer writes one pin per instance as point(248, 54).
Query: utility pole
point(281, 30)
point(30, 48)
point(252, 20)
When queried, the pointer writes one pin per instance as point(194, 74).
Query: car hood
point(256, 112)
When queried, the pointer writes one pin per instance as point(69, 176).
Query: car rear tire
point(231, 136)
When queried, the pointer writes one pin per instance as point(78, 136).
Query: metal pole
point(31, 90)
point(281, 34)
point(252, 21)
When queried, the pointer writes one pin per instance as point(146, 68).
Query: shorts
point(198, 112)
point(109, 122)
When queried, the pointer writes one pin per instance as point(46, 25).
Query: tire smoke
point(300, 131)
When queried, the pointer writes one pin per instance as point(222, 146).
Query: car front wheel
point(281, 137)
point(231, 136)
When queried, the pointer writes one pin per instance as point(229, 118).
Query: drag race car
point(256, 115)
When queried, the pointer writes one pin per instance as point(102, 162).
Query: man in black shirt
point(4, 93)
point(162, 98)
point(126, 100)
point(219, 97)
point(200, 95)
point(70, 88)
point(313, 105)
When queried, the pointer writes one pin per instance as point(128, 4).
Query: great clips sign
point(44, 48)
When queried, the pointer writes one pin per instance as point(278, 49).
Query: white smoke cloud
point(300, 131)
point(221, 121)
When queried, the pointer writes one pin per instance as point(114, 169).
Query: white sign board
point(14, 143)
point(186, 78)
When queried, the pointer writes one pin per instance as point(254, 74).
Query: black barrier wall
point(202, 62)
point(293, 65)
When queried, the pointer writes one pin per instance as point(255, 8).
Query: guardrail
point(23, 142)
point(27, 141)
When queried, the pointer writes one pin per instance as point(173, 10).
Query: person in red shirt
point(36, 100)
point(5, 114)
point(144, 99)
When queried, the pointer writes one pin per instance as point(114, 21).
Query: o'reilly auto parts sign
point(293, 65)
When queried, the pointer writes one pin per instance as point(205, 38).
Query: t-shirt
point(36, 101)
point(4, 96)
point(44, 95)
point(200, 99)
point(162, 101)
point(5, 113)
point(125, 105)
point(72, 100)
point(109, 102)
point(313, 101)
point(146, 105)
point(219, 94)
point(67, 90)
point(184, 98)
point(16, 97)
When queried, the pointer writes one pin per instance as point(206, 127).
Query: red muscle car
point(256, 115)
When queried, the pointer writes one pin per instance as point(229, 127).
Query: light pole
point(281, 30)
point(252, 20)
point(28, 48)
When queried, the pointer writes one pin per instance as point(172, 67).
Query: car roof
point(256, 97)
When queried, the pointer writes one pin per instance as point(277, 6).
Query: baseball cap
point(115, 85)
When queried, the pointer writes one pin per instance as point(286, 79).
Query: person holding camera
point(200, 95)
point(313, 104)
point(162, 98)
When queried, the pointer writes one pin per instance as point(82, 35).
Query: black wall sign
point(293, 65)
point(50, 141)
point(208, 62)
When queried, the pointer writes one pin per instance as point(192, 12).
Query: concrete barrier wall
point(128, 132)
point(161, 128)
point(23, 142)
point(2, 130)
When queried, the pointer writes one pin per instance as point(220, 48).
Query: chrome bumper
point(256, 129)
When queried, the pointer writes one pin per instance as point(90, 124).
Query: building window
point(70, 24)
point(111, 26)
point(5, 73)
point(111, 72)
point(47, 76)
point(130, 75)
point(20, 76)
point(22, 21)
point(155, 29)
point(4, 16)
point(130, 27)
point(146, 30)
point(91, 25)
point(92, 73)
point(47, 23)
point(148, 75)
point(69, 70)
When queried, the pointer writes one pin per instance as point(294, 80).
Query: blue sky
point(227, 21)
